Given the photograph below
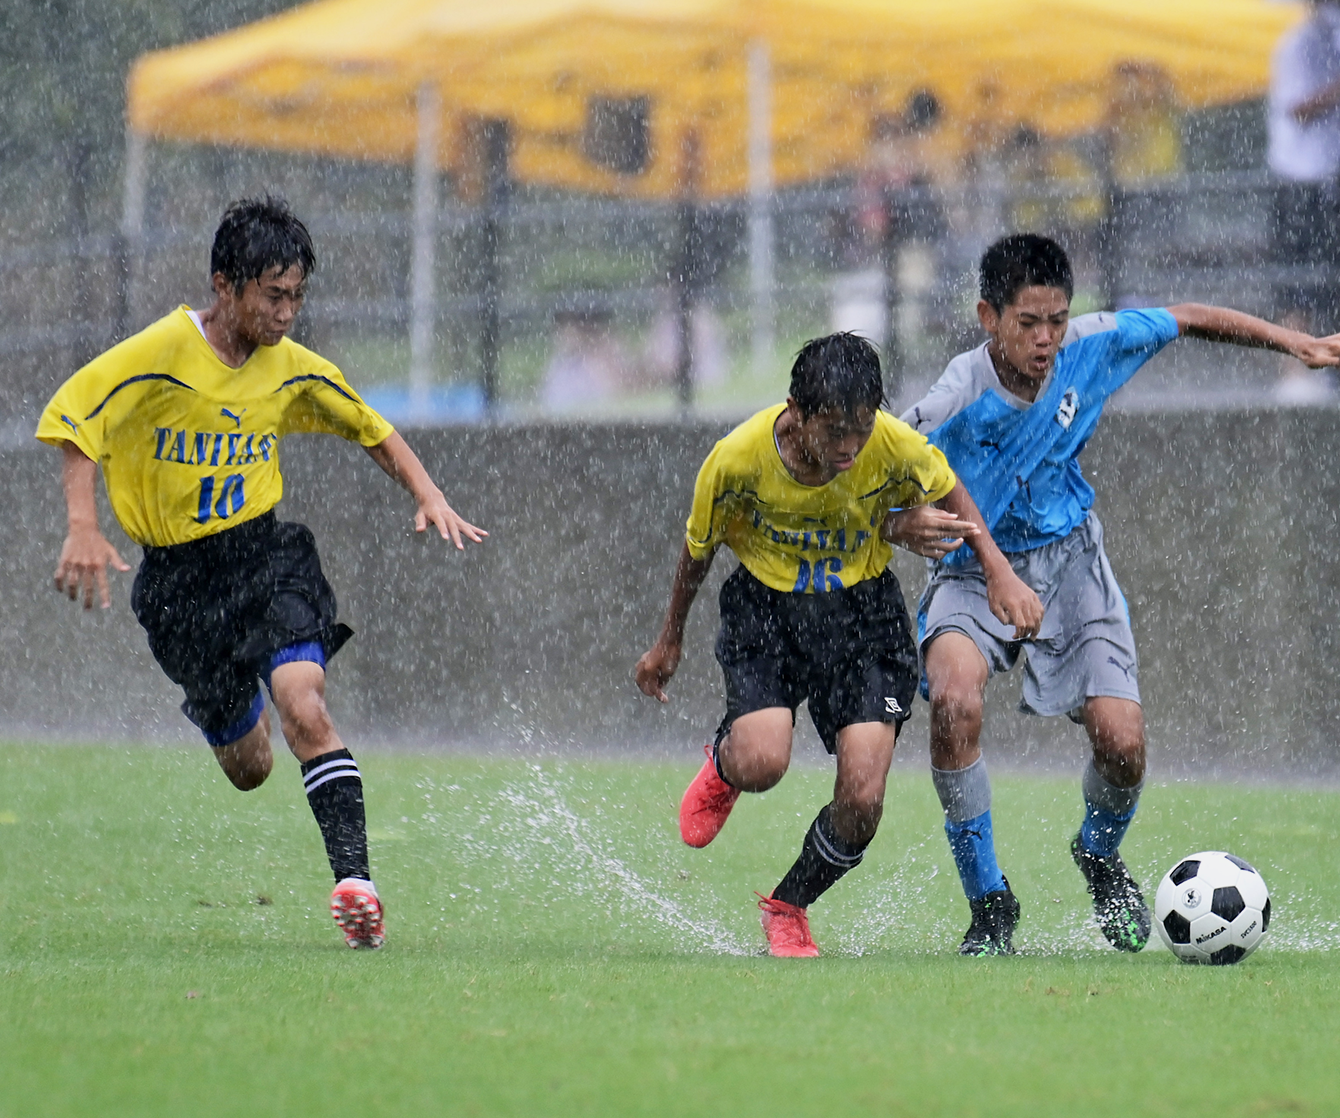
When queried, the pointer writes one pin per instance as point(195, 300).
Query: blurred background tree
point(63, 67)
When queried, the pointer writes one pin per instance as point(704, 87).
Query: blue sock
point(1108, 811)
point(1102, 830)
point(974, 852)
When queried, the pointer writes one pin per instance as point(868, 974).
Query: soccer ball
point(1212, 908)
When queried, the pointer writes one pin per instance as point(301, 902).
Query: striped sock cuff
point(831, 848)
point(335, 765)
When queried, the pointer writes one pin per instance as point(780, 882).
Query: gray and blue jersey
point(1020, 461)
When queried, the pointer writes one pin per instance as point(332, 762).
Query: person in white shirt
point(1303, 118)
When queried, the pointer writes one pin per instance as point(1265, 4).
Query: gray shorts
point(1084, 648)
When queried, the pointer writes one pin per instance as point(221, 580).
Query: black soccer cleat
point(1118, 905)
point(994, 918)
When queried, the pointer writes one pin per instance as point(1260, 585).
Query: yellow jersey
point(188, 445)
point(810, 538)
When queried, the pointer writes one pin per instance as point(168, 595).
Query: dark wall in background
point(1221, 526)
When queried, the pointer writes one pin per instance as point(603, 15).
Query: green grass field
point(554, 950)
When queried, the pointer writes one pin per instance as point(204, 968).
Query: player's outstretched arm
point(86, 552)
point(402, 465)
point(1010, 598)
point(658, 663)
point(927, 530)
point(1219, 324)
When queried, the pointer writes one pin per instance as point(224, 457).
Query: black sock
point(335, 792)
point(824, 858)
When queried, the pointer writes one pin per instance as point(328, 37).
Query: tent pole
point(422, 279)
point(496, 138)
point(762, 278)
point(684, 267)
point(129, 242)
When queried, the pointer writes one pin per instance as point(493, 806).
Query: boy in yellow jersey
point(801, 493)
point(185, 419)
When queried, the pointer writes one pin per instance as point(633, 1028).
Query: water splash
point(633, 890)
point(542, 824)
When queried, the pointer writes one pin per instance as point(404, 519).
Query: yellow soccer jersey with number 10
point(810, 538)
point(189, 446)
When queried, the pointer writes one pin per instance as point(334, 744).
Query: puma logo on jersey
point(892, 706)
point(1065, 414)
point(235, 418)
point(70, 423)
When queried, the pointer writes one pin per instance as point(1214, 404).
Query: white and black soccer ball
point(1212, 908)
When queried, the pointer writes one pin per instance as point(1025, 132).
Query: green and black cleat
point(1118, 905)
point(994, 919)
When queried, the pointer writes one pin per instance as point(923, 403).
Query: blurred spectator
point(1055, 191)
point(1304, 154)
point(588, 364)
point(660, 355)
point(986, 131)
point(1143, 129)
point(900, 215)
point(986, 135)
point(1141, 149)
point(904, 165)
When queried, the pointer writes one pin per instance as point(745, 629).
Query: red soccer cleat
point(706, 805)
point(787, 927)
point(358, 911)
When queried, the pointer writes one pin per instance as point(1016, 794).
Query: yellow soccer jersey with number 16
point(188, 445)
point(810, 538)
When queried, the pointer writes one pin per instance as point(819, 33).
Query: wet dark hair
point(839, 372)
point(257, 234)
point(1023, 260)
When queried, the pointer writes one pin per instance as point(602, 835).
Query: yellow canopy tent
point(341, 77)
point(658, 98)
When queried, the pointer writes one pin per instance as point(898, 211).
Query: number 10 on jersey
point(231, 498)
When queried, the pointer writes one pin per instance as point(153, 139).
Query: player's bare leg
point(248, 760)
point(1116, 729)
point(299, 691)
point(864, 754)
point(752, 756)
point(1112, 786)
point(957, 673)
point(756, 753)
point(335, 793)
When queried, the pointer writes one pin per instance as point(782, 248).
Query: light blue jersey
point(1020, 461)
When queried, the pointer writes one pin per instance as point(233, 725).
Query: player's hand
point(1320, 353)
point(656, 668)
point(1013, 602)
point(83, 566)
point(434, 510)
point(926, 530)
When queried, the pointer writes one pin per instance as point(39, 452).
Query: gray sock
point(1108, 797)
point(964, 793)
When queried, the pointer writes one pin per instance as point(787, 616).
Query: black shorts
point(222, 611)
point(849, 652)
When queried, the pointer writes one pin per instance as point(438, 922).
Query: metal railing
point(512, 275)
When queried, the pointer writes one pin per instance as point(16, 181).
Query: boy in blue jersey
point(1012, 418)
